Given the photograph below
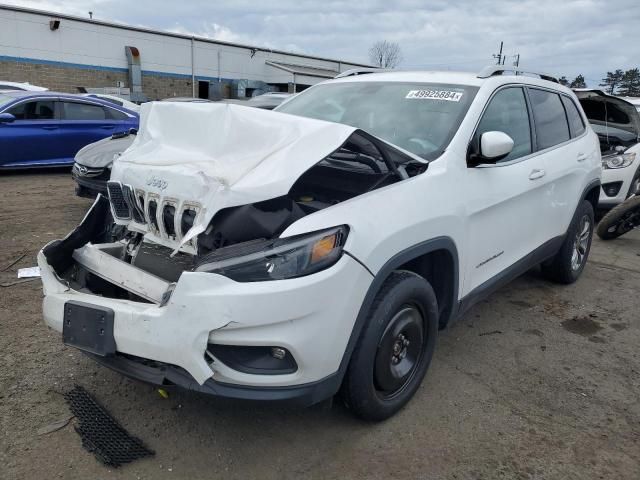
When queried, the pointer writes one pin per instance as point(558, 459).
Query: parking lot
point(538, 381)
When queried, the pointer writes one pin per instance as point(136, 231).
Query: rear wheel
point(567, 265)
point(395, 348)
point(620, 219)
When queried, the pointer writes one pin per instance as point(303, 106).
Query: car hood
point(221, 155)
point(100, 154)
point(622, 114)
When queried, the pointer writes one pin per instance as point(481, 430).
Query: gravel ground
point(538, 382)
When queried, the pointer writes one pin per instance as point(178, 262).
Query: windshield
point(419, 117)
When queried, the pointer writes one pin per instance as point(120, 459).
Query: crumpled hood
point(222, 155)
point(101, 154)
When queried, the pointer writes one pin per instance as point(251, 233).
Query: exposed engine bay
point(361, 164)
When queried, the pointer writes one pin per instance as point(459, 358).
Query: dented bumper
point(312, 317)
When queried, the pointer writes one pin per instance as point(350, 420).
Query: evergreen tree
point(630, 83)
point(612, 81)
point(578, 82)
point(563, 81)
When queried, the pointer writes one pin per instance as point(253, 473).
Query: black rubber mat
point(101, 434)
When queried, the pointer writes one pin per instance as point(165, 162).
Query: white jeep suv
point(320, 247)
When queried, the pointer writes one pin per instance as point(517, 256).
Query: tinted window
point(36, 110)
point(419, 117)
point(551, 121)
point(575, 120)
point(82, 111)
point(116, 114)
point(507, 112)
point(8, 87)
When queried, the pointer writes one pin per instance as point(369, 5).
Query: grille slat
point(118, 204)
point(130, 200)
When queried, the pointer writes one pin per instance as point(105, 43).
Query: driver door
point(508, 202)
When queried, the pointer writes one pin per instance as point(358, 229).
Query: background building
point(69, 54)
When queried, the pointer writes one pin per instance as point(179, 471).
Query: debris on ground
point(14, 262)
point(492, 332)
point(101, 434)
point(55, 426)
point(29, 272)
point(18, 282)
point(163, 393)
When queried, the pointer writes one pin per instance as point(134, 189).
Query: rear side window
point(36, 110)
point(82, 111)
point(551, 122)
point(576, 125)
point(114, 114)
point(507, 112)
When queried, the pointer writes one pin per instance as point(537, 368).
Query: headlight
point(278, 259)
point(620, 160)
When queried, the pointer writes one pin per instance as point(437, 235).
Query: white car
point(123, 102)
point(617, 123)
point(4, 85)
point(282, 255)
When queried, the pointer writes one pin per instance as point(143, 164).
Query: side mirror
point(494, 146)
point(6, 118)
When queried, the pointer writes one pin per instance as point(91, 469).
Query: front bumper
point(312, 317)
point(611, 175)
point(89, 186)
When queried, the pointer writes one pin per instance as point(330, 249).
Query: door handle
point(536, 174)
point(50, 128)
point(581, 157)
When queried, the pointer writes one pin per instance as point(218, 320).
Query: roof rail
point(495, 70)
point(359, 71)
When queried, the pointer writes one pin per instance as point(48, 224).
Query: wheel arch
point(438, 255)
point(592, 194)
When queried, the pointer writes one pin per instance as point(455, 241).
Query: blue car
point(46, 129)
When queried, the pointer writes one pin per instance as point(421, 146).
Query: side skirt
point(542, 253)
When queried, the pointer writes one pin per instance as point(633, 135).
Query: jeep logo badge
point(157, 182)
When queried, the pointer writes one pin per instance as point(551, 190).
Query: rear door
point(507, 204)
point(568, 154)
point(82, 123)
point(30, 139)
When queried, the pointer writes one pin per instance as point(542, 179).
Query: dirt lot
point(539, 381)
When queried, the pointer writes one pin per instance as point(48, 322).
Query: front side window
point(551, 122)
point(34, 110)
point(82, 111)
point(507, 112)
point(576, 125)
point(420, 118)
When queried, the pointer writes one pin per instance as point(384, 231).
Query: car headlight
point(619, 160)
point(277, 259)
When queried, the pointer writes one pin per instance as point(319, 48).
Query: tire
point(634, 188)
point(395, 348)
point(567, 265)
point(613, 223)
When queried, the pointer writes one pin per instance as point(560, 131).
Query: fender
point(411, 253)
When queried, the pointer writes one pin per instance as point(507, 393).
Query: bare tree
point(385, 54)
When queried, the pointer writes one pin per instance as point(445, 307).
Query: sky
point(560, 37)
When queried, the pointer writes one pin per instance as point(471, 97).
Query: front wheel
point(395, 348)
point(567, 265)
point(621, 219)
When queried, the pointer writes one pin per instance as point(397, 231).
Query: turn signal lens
point(323, 247)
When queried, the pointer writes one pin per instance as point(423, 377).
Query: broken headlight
point(278, 259)
point(620, 160)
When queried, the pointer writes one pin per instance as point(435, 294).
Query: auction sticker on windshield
point(435, 95)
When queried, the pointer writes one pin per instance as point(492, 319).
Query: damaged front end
point(189, 249)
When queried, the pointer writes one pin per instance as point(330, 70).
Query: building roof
point(169, 34)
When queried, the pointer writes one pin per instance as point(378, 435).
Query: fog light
point(279, 353)
point(612, 189)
